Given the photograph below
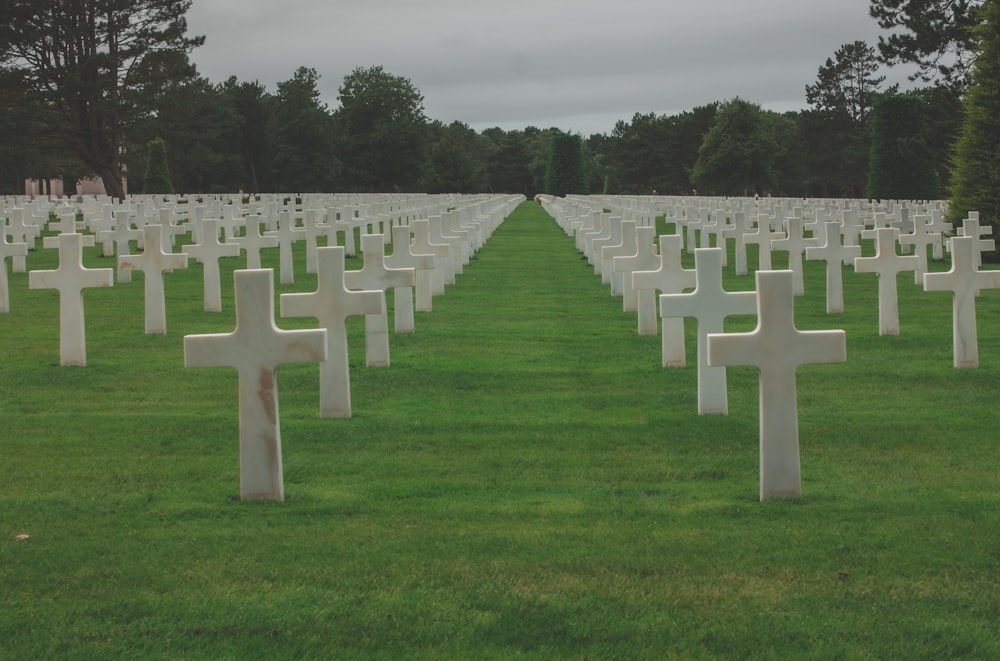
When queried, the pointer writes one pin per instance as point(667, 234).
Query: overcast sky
point(578, 65)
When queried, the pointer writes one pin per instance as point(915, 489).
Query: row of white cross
point(427, 254)
point(623, 253)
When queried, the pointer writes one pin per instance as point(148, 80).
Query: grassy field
point(525, 481)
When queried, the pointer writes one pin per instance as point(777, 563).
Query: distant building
point(56, 188)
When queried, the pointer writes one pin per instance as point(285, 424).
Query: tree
point(94, 67)
point(302, 136)
point(565, 174)
point(383, 130)
point(508, 168)
point(253, 107)
point(198, 121)
point(975, 182)
point(847, 84)
point(737, 154)
point(936, 36)
point(455, 166)
point(157, 179)
point(901, 166)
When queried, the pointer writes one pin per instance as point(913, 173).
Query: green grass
point(525, 481)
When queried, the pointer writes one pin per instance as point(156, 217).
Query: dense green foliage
point(935, 35)
point(976, 179)
point(564, 172)
point(738, 153)
point(901, 166)
point(94, 68)
point(238, 135)
point(157, 178)
point(525, 481)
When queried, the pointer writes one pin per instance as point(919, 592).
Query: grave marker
point(963, 280)
point(777, 348)
point(374, 275)
point(153, 262)
point(669, 278)
point(331, 304)
point(208, 252)
point(255, 349)
point(403, 257)
point(710, 304)
point(887, 264)
point(14, 250)
point(71, 278)
point(835, 255)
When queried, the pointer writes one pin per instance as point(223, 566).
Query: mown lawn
point(525, 481)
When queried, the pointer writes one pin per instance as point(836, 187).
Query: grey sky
point(579, 65)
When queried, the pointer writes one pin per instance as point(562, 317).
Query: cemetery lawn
point(525, 481)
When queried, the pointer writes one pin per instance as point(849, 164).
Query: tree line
point(73, 105)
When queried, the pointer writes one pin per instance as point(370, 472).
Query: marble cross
point(287, 235)
point(374, 275)
point(623, 247)
point(20, 231)
point(331, 304)
point(253, 241)
point(71, 278)
point(835, 255)
point(153, 262)
point(14, 250)
point(255, 348)
point(963, 280)
point(121, 234)
point(887, 264)
point(777, 348)
point(795, 244)
point(644, 258)
point(403, 257)
point(208, 252)
point(429, 284)
point(764, 237)
point(669, 278)
point(710, 304)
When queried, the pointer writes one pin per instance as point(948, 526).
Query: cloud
point(575, 64)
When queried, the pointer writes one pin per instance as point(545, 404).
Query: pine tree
point(565, 173)
point(975, 184)
point(157, 179)
point(901, 166)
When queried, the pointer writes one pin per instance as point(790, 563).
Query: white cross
point(287, 235)
point(374, 275)
point(835, 255)
point(669, 278)
point(331, 304)
point(963, 280)
point(21, 232)
point(255, 348)
point(777, 348)
point(403, 257)
point(253, 241)
point(71, 278)
point(644, 258)
point(429, 284)
point(14, 250)
point(763, 236)
point(795, 244)
point(153, 262)
point(208, 252)
point(710, 304)
point(887, 264)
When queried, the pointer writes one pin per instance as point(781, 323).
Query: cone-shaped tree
point(975, 184)
point(565, 173)
point(157, 179)
point(901, 166)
